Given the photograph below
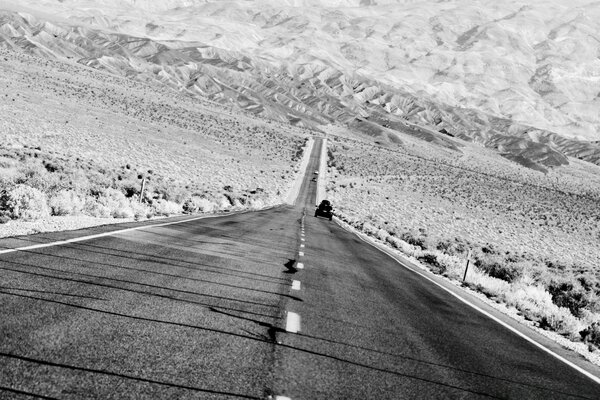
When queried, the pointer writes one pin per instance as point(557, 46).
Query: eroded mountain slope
point(310, 94)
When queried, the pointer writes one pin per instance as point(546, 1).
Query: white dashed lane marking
point(296, 285)
point(301, 245)
point(301, 254)
point(293, 322)
point(302, 239)
point(300, 266)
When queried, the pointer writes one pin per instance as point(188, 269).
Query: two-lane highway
point(269, 304)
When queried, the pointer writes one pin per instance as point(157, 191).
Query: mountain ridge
point(301, 87)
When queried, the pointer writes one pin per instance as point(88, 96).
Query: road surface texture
point(269, 304)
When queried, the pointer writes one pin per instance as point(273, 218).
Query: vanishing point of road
point(255, 305)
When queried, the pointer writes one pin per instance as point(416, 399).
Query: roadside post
point(143, 187)
point(467, 266)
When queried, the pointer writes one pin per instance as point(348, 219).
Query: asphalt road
point(202, 309)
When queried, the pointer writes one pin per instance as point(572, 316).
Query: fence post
point(143, 187)
point(467, 266)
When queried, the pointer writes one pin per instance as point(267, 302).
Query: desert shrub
point(166, 207)
point(536, 304)
point(444, 246)
point(140, 210)
point(566, 293)
point(130, 187)
point(92, 208)
point(114, 202)
point(404, 247)
point(411, 239)
point(66, 202)
point(480, 281)
point(557, 265)
point(257, 203)
point(488, 249)
point(452, 247)
point(591, 334)
point(561, 320)
point(588, 281)
point(498, 267)
point(197, 204)
point(177, 195)
point(224, 203)
point(369, 229)
point(454, 267)
point(36, 176)
point(393, 241)
point(25, 202)
point(381, 234)
point(431, 260)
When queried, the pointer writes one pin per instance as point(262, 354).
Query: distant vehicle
point(324, 209)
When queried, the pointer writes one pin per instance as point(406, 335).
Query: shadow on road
point(416, 360)
point(290, 267)
point(142, 292)
point(23, 393)
point(270, 338)
point(129, 377)
point(47, 292)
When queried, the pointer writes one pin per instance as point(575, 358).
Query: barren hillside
point(521, 78)
point(72, 134)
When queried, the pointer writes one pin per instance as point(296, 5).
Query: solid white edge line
point(300, 266)
point(487, 314)
point(99, 235)
point(293, 322)
point(295, 285)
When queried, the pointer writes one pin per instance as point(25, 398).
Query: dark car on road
point(325, 209)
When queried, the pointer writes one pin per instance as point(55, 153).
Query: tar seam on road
point(293, 322)
point(487, 314)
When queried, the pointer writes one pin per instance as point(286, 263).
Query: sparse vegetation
point(535, 238)
point(119, 132)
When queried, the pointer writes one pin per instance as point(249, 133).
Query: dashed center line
point(302, 239)
point(293, 322)
point(296, 285)
point(300, 266)
point(301, 254)
point(301, 245)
